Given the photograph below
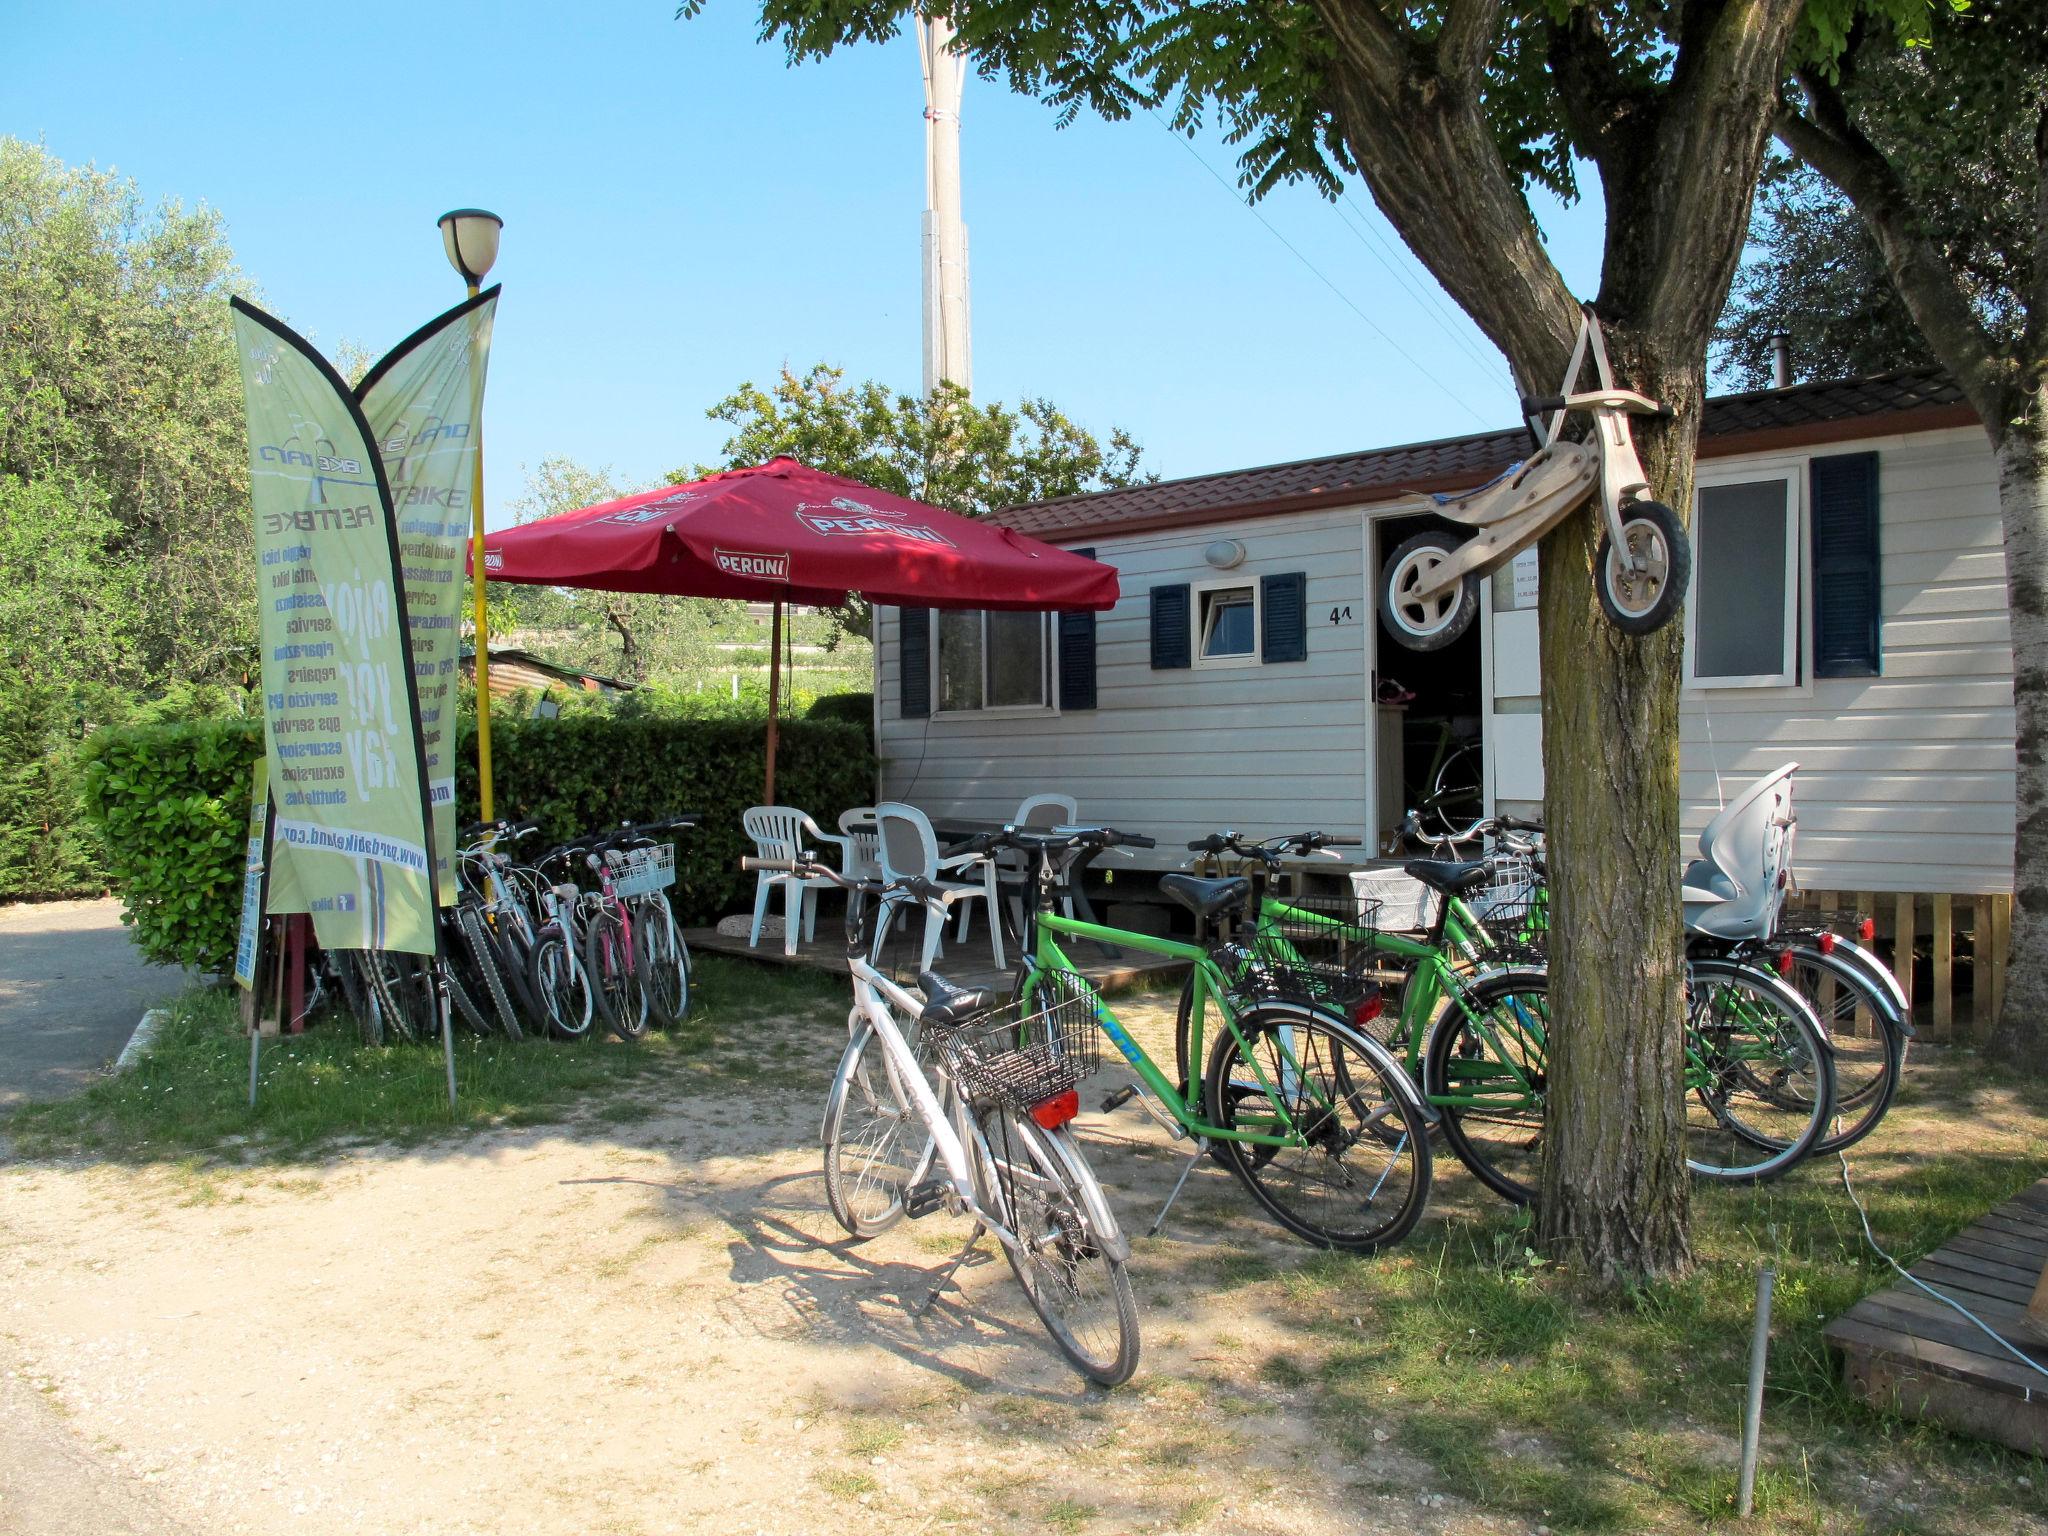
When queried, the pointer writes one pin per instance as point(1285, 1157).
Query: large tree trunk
point(1614, 1183)
point(2021, 439)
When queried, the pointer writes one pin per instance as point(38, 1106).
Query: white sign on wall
point(1525, 569)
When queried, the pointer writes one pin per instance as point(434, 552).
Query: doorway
point(1429, 709)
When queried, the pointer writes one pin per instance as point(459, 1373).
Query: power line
point(1252, 208)
point(1424, 291)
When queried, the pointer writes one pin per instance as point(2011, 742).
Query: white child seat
point(784, 832)
point(1736, 888)
point(909, 846)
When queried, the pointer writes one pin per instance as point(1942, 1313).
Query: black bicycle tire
point(1443, 1040)
point(461, 1002)
point(1268, 1015)
point(551, 940)
point(856, 1224)
point(661, 920)
point(379, 985)
point(484, 966)
point(1874, 1102)
point(355, 996)
point(1789, 1154)
point(633, 996)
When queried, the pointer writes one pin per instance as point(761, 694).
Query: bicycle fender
point(1061, 1144)
point(1887, 983)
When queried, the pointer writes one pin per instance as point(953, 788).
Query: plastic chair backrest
point(777, 830)
point(907, 845)
point(1041, 812)
point(864, 841)
point(1750, 842)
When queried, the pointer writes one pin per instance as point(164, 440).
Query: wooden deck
point(1905, 1353)
point(968, 963)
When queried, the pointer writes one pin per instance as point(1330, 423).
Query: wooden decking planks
point(967, 963)
point(1906, 1353)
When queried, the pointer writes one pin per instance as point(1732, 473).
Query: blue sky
point(684, 212)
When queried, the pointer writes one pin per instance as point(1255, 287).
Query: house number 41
point(1341, 614)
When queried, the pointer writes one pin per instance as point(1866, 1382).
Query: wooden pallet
point(1903, 1352)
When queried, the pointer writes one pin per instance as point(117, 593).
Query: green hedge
point(170, 803)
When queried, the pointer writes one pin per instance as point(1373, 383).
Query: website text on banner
point(341, 738)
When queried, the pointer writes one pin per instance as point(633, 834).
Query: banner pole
point(447, 1030)
point(483, 626)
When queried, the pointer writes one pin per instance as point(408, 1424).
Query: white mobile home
point(1848, 611)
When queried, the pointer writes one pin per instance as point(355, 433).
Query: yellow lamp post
point(470, 237)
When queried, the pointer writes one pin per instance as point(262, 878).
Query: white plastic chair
point(783, 832)
point(863, 843)
point(909, 846)
point(1037, 813)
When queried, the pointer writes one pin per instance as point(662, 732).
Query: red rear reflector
point(1785, 962)
point(1868, 929)
point(1366, 1009)
point(1054, 1113)
point(1827, 943)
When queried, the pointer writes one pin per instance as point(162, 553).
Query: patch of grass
point(189, 1096)
point(1196, 1510)
point(871, 1437)
point(847, 1485)
point(1067, 1515)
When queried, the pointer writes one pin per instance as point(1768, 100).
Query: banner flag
point(423, 402)
point(341, 740)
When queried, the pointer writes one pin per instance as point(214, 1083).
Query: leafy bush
point(857, 708)
point(171, 800)
point(45, 850)
point(171, 805)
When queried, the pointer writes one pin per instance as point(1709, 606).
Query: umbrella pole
point(774, 698)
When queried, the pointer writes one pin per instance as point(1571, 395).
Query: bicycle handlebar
point(1269, 849)
point(1051, 838)
point(813, 869)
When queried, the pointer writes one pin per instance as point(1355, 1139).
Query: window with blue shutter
point(1848, 592)
point(1171, 646)
point(1283, 605)
point(914, 662)
point(1077, 654)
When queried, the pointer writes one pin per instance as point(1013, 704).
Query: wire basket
point(1315, 949)
point(1027, 1052)
point(642, 871)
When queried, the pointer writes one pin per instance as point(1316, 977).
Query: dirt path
point(648, 1327)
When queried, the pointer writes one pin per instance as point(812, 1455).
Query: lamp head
point(470, 237)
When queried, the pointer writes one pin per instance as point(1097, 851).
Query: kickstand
point(1201, 1151)
point(952, 1268)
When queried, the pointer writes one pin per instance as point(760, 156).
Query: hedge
point(171, 803)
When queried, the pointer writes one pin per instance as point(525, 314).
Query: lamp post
point(470, 237)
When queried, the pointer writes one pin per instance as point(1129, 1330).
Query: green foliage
point(858, 708)
point(45, 850)
point(170, 802)
point(69, 592)
point(1814, 273)
point(121, 417)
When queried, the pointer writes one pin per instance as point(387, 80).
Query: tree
point(1449, 110)
point(1815, 274)
point(1943, 150)
point(944, 449)
point(119, 387)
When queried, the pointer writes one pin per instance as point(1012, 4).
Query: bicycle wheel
point(876, 1143)
point(1484, 1073)
point(1759, 1075)
point(356, 997)
point(484, 967)
point(667, 960)
point(1042, 1188)
point(1862, 1031)
point(1455, 799)
point(389, 984)
point(562, 987)
point(615, 985)
point(1353, 1168)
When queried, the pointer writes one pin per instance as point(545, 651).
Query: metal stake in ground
point(447, 1030)
point(1753, 1412)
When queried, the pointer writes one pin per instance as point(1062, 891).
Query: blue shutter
point(1283, 623)
point(914, 662)
point(1171, 646)
point(1847, 580)
point(1077, 655)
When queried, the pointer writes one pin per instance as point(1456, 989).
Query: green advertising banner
point(347, 777)
point(424, 403)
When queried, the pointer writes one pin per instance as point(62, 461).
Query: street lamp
point(470, 237)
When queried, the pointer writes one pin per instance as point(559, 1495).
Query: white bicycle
point(957, 1102)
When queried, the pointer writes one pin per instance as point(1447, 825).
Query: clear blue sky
point(684, 212)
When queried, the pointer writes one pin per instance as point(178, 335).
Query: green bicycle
point(1316, 1119)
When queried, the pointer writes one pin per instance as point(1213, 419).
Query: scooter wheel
point(1637, 601)
point(1425, 624)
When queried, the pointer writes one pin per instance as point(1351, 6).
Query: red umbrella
point(785, 532)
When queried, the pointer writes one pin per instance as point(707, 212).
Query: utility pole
point(946, 350)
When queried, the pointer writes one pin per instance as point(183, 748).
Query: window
point(1228, 616)
point(1742, 617)
point(991, 661)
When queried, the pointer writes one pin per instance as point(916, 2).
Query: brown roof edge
point(1930, 418)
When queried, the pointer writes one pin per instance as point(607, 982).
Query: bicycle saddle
point(947, 1005)
point(1453, 877)
point(1206, 898)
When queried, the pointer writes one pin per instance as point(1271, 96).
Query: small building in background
point(515, 671)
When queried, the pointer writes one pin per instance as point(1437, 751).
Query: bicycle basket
point(1027, 1052)
point(1513, 905)
point(1315, 949)
point(643, 871)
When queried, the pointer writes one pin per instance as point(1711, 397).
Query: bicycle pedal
point(923, 1199)
point(1117, 1100)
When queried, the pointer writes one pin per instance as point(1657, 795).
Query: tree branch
point(1466, 40)
point(1826, 138)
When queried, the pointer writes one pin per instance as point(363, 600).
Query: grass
point(190, 1095)
point(1528, 1393)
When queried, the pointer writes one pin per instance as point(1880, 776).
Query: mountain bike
point(1314, 1117)
point(985, 1092)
